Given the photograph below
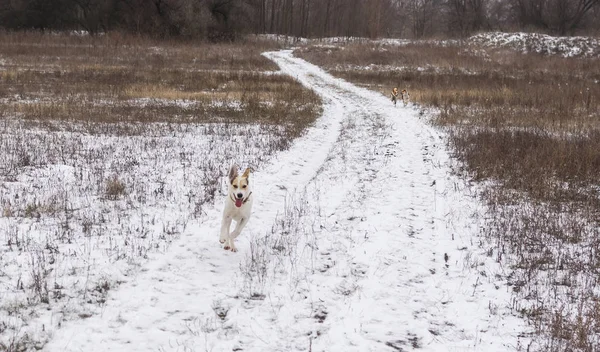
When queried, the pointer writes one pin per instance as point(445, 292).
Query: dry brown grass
point(495, 90)
point(115, 188)
point(115, 79)
point(45, 51)
point(530, 124)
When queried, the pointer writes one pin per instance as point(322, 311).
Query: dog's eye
point(244, 186)
point(234, 186)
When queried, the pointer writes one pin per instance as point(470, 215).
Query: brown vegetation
point(114, 79)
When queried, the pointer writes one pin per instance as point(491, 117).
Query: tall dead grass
point(39, 50)
point(528, 125)
point(116, 79)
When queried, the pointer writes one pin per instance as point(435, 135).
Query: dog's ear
point(233, 173)
point(247, 172)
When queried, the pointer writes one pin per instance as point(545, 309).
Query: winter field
point(466, 221)
point(111, 148)
point(523, 119)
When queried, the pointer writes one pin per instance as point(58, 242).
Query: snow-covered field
point(546, 240)
point(70, 234)
point(360, 240)
point(518, 41)
point(546, 243)
point(539, 43)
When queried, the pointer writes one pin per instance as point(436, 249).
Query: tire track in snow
point(408, 259)
point(177, 289)
point(384, 229)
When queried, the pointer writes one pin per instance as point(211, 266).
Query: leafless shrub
point(278, 249)
point(14, 237)
point(24, 160)
point(255, 267)
point(39, 276)
point(346, 288)
point(18, 343)
point(220, 309)
point(99, 291)
point(115, 188)
point(7, 211)
point(320, 313)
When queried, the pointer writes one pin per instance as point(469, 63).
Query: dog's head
point(395, 90)
point(404, 91)
point(239, 186)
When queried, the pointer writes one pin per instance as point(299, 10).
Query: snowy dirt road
point(360, 240)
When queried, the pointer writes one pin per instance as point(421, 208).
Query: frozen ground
point(539, 43)
point(66, 241)
point(360, 240)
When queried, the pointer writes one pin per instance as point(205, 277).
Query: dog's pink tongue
point(238, 203)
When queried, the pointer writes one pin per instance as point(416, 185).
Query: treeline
point(423, 18)
point(226, 19)
point(195, 18)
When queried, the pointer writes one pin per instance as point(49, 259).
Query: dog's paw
point(223, 238)
point(233, 249)
point(226, 248)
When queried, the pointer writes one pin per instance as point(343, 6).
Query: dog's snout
point(239, 195)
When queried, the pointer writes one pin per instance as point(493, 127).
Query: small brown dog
point(394, 95)
point(404, 96)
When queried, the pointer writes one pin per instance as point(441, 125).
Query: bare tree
point(92, 15)
point(374, 9)
point(466, 16)
point(571, 13)
point(421, 13)
point(223, 19)
point(273, 7)
point(558, 16)
point(327, 18)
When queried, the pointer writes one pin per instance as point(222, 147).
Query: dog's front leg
point(225, 224)
point(239, 226)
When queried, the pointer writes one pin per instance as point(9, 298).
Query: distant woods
point(220, 20)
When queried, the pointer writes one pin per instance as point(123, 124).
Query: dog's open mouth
point(239, 202)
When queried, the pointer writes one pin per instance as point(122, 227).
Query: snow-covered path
point(368, 245)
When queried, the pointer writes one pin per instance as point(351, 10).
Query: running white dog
point(238, 207)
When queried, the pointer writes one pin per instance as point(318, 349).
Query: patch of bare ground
point(528, 127)
point(108, 149)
